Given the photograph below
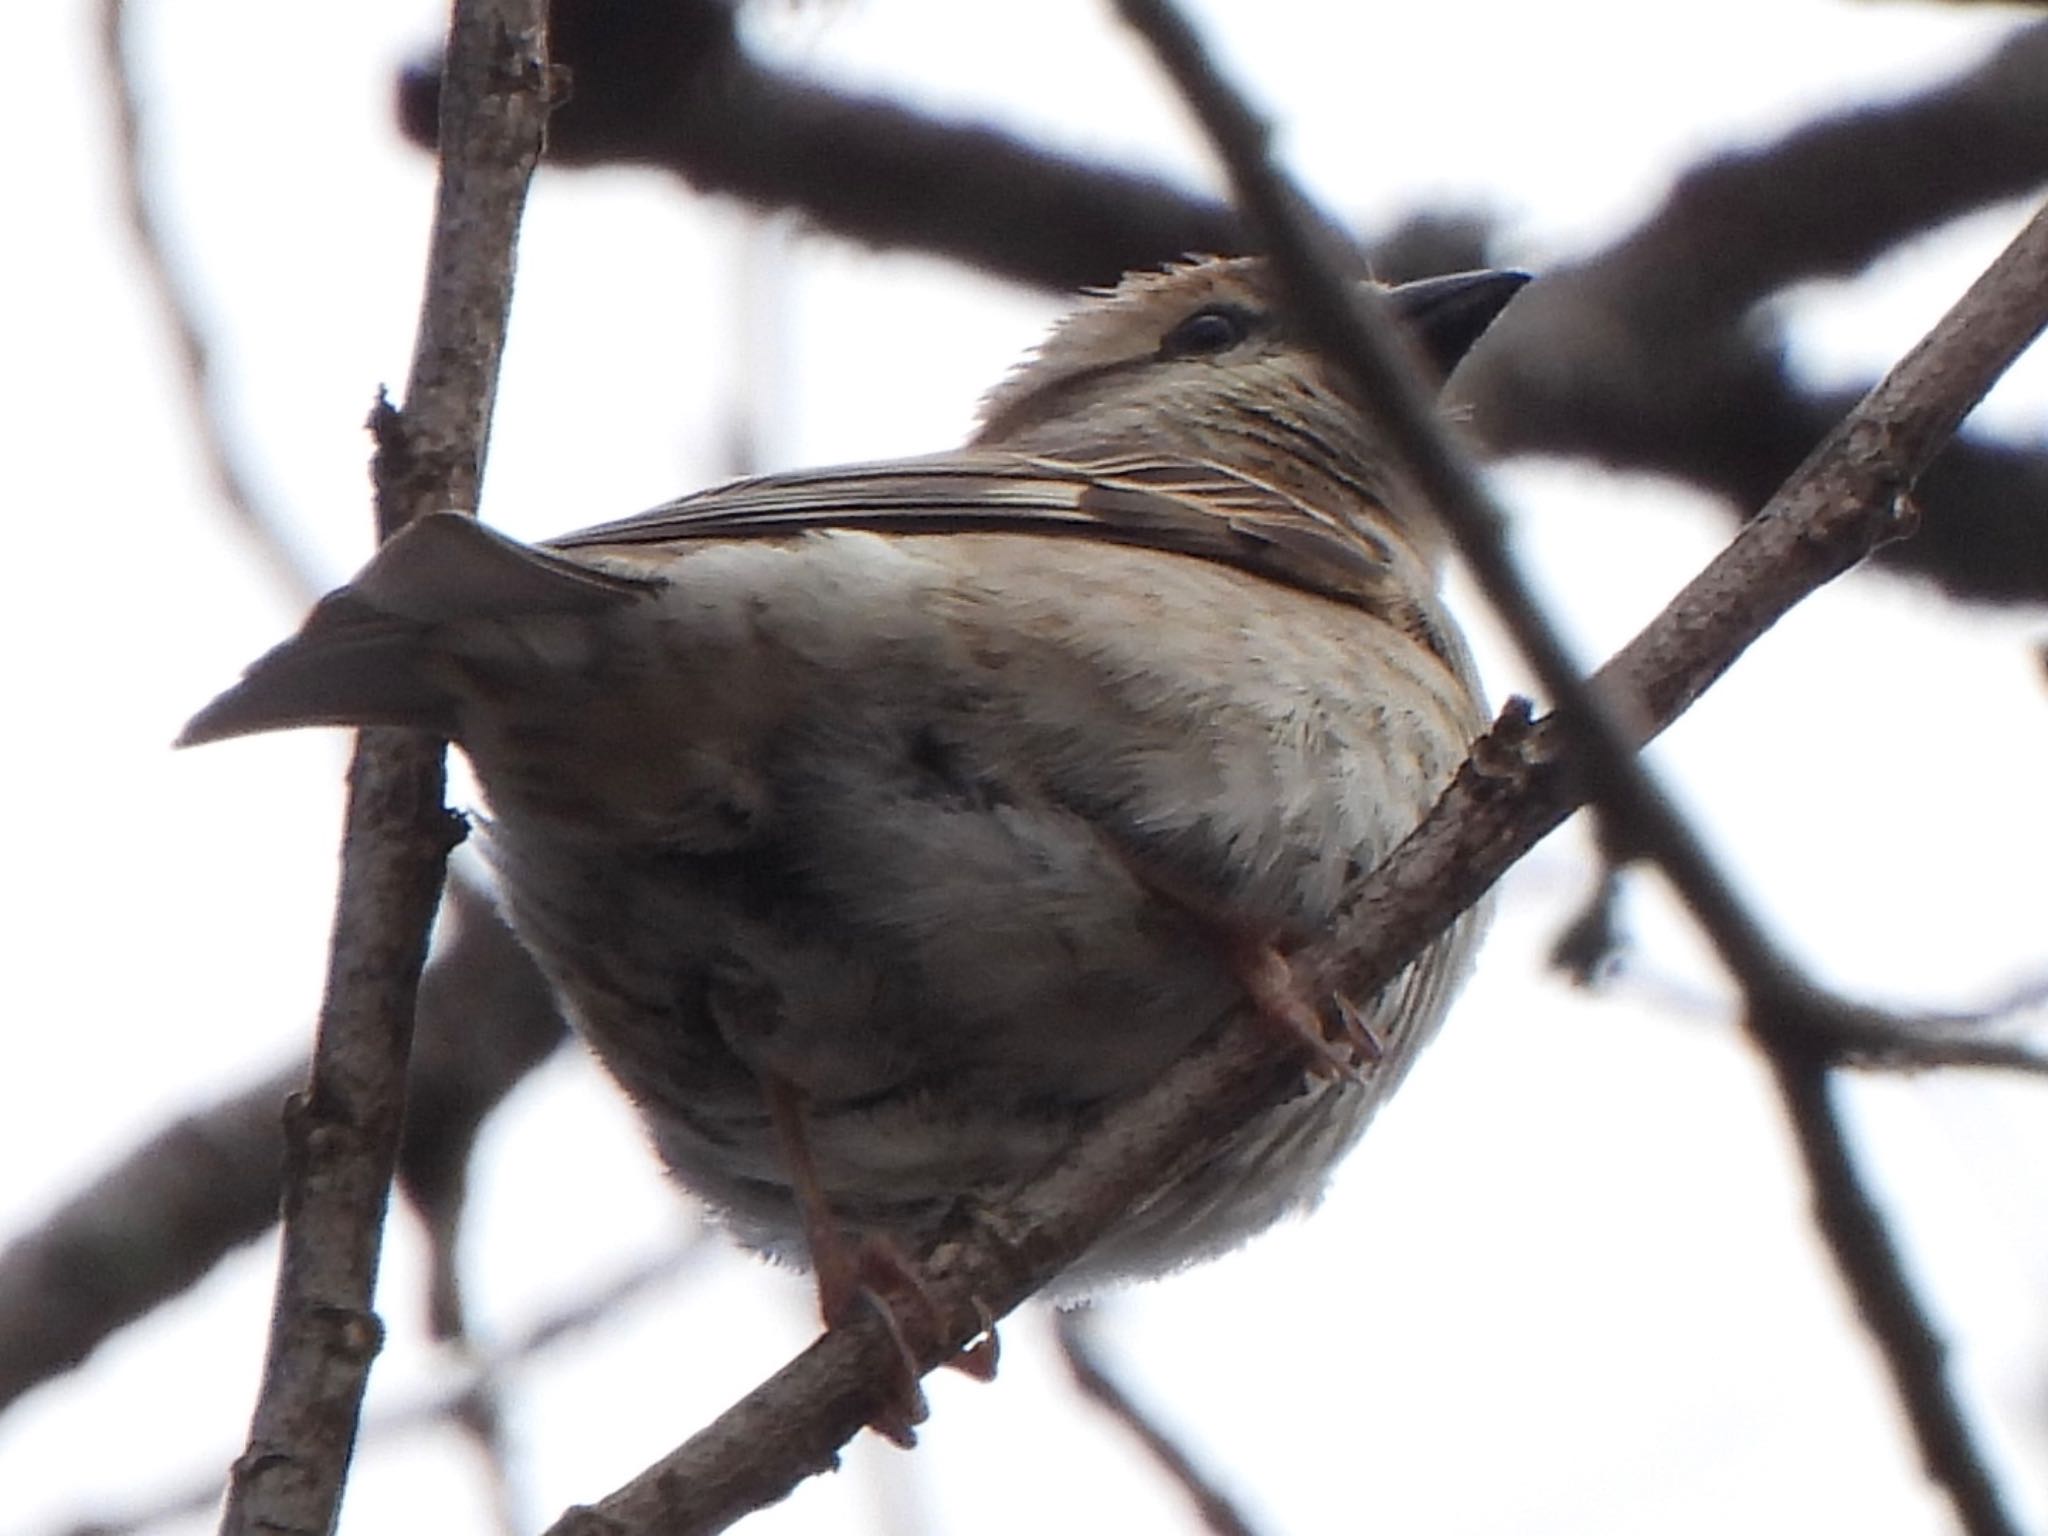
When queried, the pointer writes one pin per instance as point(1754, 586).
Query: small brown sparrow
point(881, 825)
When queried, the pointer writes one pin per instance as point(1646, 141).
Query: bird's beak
point(1446, 315)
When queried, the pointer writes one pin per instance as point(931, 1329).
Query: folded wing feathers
point(360, 658)
point(1174, 505)
point(447, 566)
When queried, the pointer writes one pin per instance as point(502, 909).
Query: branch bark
point(342, 1134)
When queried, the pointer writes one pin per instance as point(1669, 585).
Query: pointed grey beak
point(1447, 314)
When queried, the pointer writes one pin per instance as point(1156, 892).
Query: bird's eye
point(1212, 329)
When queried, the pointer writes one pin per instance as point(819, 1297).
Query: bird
point(881, 826)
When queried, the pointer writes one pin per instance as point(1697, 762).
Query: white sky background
point(1565, 1286)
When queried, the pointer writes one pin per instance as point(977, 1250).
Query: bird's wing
point(1176, 506)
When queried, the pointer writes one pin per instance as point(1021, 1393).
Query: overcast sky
point(1565, 1286)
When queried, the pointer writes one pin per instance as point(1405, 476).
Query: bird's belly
point(929, 844)
point(946, 1007)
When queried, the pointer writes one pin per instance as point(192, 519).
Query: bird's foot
point(874, 1272)
point(1282, 1004)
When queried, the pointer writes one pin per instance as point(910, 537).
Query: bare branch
point(266, 528)
point(1076, 1332)
point(342, 1137)
point(1873, 1038)
point(1862, 473)
point(1591, 944)
point(485, 1374)
point(671, 87)
point(1649, 355)
point(668, 85)
point(1996, 1036)
point(1739, 228)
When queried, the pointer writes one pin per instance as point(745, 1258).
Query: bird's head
point(1202, 361)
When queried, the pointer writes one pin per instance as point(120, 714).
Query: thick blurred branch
point(668, 85)
point(156, 1221)
point(1650, 356)
point(141, 1233)
point(168, 1211)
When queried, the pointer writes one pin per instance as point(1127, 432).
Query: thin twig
point(476, 1404)
point(342, 1136)
point(1993, 1037)
point(1075, 1329)
point(1869, 468)
point(486, 1372)
point(179, 306)
point(1591, 944)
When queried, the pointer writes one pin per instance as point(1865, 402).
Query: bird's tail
point(375, 652)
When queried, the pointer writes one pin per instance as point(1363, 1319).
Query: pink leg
point(871, 1271)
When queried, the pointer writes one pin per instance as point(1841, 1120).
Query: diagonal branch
point(140, 1233)
point(1867, 469)
point(1081, 1348)
point(1519, 785)
point(477, 1379)
point(342, 1135)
